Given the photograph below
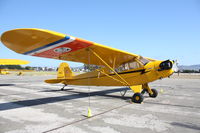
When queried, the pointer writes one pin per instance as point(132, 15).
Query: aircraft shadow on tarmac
point(77, 95)
point(176, 105)
point(186, 125)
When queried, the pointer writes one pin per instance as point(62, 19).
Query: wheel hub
point(137, 98)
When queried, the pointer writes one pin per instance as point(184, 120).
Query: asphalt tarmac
point(28, 105)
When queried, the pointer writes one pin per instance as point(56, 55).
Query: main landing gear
point(138, 97)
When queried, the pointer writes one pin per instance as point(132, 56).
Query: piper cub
point(115, 67)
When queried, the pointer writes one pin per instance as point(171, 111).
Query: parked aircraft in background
point(11, 62)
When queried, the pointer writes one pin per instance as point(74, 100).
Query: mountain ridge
point(189, 67)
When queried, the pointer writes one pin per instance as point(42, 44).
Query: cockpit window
point(128, 66)
point(132, 64)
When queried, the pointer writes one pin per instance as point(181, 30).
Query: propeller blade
point(175, 66)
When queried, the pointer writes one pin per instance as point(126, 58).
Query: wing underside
point(49, 44)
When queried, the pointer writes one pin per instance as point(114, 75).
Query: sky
point(159, 29)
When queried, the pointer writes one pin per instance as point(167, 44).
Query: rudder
point(64, 71)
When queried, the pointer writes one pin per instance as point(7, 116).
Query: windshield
point(143, 60)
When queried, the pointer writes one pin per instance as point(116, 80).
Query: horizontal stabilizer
point(54, 81)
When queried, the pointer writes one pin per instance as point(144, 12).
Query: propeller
point(175, 66)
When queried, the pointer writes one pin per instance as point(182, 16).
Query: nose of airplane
point(166, 65)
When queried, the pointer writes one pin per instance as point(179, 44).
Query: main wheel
point(155, 93)
point(137, 98)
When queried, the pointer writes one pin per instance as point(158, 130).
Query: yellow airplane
point(116, 67)
point(11, 62)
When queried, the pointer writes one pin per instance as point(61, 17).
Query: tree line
point(18, 67)
point(190, 71)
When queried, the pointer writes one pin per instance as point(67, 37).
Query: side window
point(121, 68)
point(128, 66)
point(134, 65)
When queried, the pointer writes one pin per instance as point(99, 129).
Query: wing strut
point(111, 77)
point(125, 82)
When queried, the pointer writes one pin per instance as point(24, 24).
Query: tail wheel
point(137, 98)
point(155, 93)
point(63, 87)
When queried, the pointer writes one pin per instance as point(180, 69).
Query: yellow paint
point(137, 98)
point(136, 89)
point(89, 113)
point(20, 73)
point(12, 62)
point(64, 71)
point(2, 72)
point(27, 39)
point(161, 91)
point(107, 65)
point(146, 86)
point(22, 40)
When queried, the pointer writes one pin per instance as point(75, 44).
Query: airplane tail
point(64, 72)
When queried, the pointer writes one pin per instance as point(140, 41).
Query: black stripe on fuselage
point(142, 70)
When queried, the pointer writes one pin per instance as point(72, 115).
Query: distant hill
point(190, 67)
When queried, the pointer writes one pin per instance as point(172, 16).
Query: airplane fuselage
point(150, 72)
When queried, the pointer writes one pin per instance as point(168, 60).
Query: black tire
point(155, 93)
point(137, 98)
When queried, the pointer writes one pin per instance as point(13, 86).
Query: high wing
point(49, 44)
point(12, 62)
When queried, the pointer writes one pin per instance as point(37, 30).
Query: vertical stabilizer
point(64, 71)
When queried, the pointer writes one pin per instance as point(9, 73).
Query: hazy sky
point(159, 29)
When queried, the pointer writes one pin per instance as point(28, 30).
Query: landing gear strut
point(152, 92)
point(124, 93)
